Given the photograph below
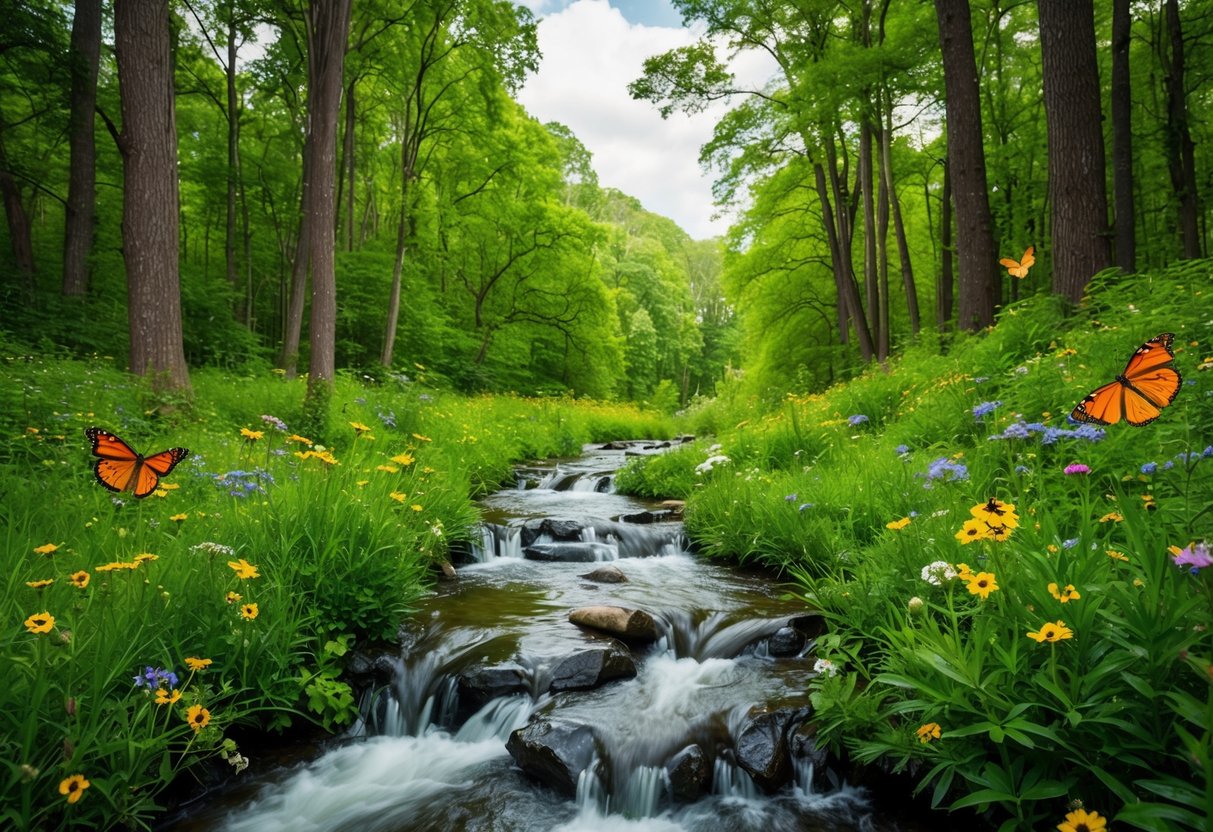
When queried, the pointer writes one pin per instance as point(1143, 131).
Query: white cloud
point(590, 54)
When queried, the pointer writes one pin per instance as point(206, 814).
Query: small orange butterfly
point(1149, 383)
point(1019, 268)
point(120, 468)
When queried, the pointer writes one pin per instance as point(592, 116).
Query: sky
point(592, 49)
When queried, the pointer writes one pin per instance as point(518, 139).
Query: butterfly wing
point(156, 466)
point(118, 463)
point(1019, 268)
point(1153, 353)
point(1028, 260)
point(1103, 406)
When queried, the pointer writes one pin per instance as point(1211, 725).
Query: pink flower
point(1077, 468)
point(1196, 556)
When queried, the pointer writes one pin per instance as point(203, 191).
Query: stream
point(500, 715)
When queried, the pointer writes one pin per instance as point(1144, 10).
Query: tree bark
point(844, 277)
point(82, 175)
point(1076, 153)
point(150, 192)
point(899, 228)
point(882, 257)
point(232, 269)
point(1180, 149)
point(978, 260)
point(19, 234)
point(1122, 140)
point(328, 24)
point(947, 278)
point(871, 289)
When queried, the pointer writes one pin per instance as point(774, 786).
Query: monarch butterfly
point(120, 468)
point(1148, 384)
point(1019, 268)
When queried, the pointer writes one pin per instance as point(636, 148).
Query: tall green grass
point(267, 553)
point(852, 493)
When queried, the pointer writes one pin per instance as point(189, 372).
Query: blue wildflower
point(1168, 465)
point(274, 422)
point(1022, 469)
point(1069, 544)
point(984, 408)
point(1207, 452)
point(388, 419)
point(980, 379)
point(803, 506)
point(946, 470)
point(791, 498)
point(1149, 467)
point(857, 420)
point(902, 450)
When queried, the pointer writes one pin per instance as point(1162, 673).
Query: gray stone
point(629, 624)
point(606, 575)
point(570, 552)
point(762, 750)
point(593, 667)
point(786, 641)
point(689, 771)
point(480, 685)
point(554, 753)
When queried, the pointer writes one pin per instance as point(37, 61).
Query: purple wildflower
point(791, 498)
point(274, 422)
point(1196, 556)
point(803, 506)
point(1069, 544)
point(984, 408)
point(857, 420)
point(1077, 468)
point(154, 677)
point(946, 470)
point(1149, 467)
point(902, 450)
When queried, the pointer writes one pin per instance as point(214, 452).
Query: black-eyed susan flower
point(198, 717)
point(164, 697)
point(40, 622)
point(982, 584)
point(898, 524)
point(1080, 820)
point(998, 533)
point(1112, 517)
point(195, 663)
point(973, 530)
point(1115, 555)
point(45, 582)
point(73, 787)
point(302, 440)
point(996, 513)
point(1057, 631)
point(47, 549)
point(233, 597)
point(928, 732)
point(1064, 595)
point(244, 570)
point(80, 579)
point(963, 572)
point(249, 611)
point(145, 556)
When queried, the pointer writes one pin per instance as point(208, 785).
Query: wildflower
point(178, 518)
point(901, 450)
point(1112, 517)
point(233, 597)
point(416, 507)
point(391, 469)
point(398, 496)
point(1064, 595)
point(80, 579)
point(404, 459)
point(244, 570)
point(73, 787)
point(303, 440)
point(963, 572)
point(251, 435)
point(116, 566)
point(973, 529)
point(791, 498)
point(1076, 468)
point(197, 717)
point(825, 667)
point(803, 506)
point(998, 533)
point(163, 697)
point(898, 524)
point(145, 556)
point(982, 584)
point(47, 549)
point(928, 732)
point(915, 605)
point(1069, 544)
point(937, 572)
point(946, 470)
point(1195, 556)
point(274, 422)
point(45, 582)
point(1148, 500)
point(1080, 820)
point(249, 611)
point(194, 663)
point(1115, 555)
point(1052, 632)
point(857, 420)
point(985, 408)
point(156, 677)
point(995, 512)
point(213, 548)
point(40, 622)
point(1149, 467)
point(359, 427)
point(711, 462)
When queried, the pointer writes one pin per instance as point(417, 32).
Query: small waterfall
point(496, 720)
point(642, 793)
point(730, 781)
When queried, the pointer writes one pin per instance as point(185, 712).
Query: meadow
point(142, 636)
point(1020, 605)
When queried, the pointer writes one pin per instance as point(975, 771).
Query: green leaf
point(983, 796)
point(1152, 817)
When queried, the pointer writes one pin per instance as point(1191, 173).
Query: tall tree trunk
point(82, 175)
point(328, 25)
point(231, 268)
point(292, 327)
point(871, 289)
point(1180, 149)
point(348, 157)
point(844, 277)
point(827, 221)
point(947, 279)
point(1076, 154)
point(1122, 139)
point(978, 259)
point(19, 234)
point(882, 257)
point(393, 303)
point(899, 228)
point(150, 192)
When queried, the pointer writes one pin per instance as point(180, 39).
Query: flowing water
point(429, 753)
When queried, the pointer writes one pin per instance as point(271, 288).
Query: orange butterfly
point(1148, 384)
point(1019, 268)
point(120, 468)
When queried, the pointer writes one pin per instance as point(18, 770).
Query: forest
point(322, 244)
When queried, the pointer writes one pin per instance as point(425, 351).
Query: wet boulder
point(807, 754)
point(554, 752)
point(646, 516)
point(592, 667)
point(810, 625)
point(626, 623)
point(532, 530)
point(786, 641)
point(478, 686)
point(606, 575)
point(570, 552)
point(762, 749)
point(690, 772)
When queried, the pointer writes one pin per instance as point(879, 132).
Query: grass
point(853, 493)
point(261, 561)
